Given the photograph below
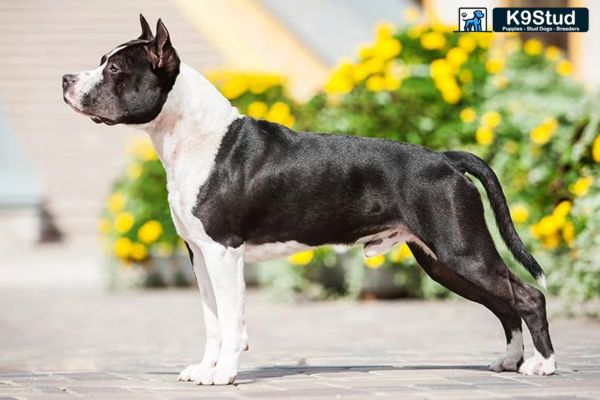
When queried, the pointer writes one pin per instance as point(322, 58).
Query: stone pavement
point(62, 344)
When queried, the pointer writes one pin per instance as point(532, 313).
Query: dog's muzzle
point(68, 80)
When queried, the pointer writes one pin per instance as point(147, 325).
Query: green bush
point(512, 103)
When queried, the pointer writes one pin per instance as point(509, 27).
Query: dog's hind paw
point(505, 363)
point(198, 373)
point(538, 365)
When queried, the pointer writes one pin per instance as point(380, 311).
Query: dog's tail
point(467, 162)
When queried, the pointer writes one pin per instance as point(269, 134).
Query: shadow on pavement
point(282, 370)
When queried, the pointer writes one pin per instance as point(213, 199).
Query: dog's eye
point(113, 68)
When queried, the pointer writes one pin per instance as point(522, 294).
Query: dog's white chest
point(184, 181)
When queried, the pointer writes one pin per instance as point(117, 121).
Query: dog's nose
point(68, 80)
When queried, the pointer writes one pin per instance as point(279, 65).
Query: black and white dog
point(245, 189)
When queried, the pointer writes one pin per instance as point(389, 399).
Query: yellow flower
point(134, 171)
point(491, 119)
point(374, 262)
point(457, 56)
point(361, 71)
point(551, 242)
point(468, 114)
point(467, 43)
point(440, 68)
point(541, 134)
point(234, 87)
point(494, 65)
point(372, 66)
point(365, 52)
point(562, 209)
point(533, 47)
point(302, 258)
point(340, 81)
point(553, 53)
point(535, 231)
point(150, 231)
point(279, 112)
point(548, 225)
point(484, 135)
point(387, 48)
point(451, 93)
point(391, 82)
point(411, 14)
point(375, 83)
point(581, 186)
point(149, 154)
point(416, 31)
point(123, 222)
point(596, 149)
point(259, 83)
point(116, 202)
point(338, 85)
point(433, 40)
point(289, 121)
point(383, 31)
point(568, 232)
point(141, 147)
point(437, 26)
point(257, 109)
point(122, 248)
point(519, 213)
point(139, 252)
point(400, 253)
point(484, 40)
point(564, 68)
point(104, 226)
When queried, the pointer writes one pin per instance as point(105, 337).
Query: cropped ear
point(146, 32)
point(161, 52)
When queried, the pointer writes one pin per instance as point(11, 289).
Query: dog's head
point(478, 14)
point(132, 82)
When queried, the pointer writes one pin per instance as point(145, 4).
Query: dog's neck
point(194, 112)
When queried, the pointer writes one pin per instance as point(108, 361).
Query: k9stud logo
point(472, 19)
point(541, 19)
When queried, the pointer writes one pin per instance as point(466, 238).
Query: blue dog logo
point(472, 19)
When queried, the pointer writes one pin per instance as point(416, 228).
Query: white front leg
point(225, 267)
point(203, 373)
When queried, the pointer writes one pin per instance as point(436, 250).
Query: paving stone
point(134, 345)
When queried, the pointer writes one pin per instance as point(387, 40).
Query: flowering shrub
point(136, 221)
point(512, 103)
point(260, 96)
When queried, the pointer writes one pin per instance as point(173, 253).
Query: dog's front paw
point(225, 372)
point(198, 373)
point(538, 365)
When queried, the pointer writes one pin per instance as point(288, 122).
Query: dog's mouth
point(95, 118)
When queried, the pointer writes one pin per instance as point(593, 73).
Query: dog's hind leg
point(511, 321)
point(463, 243)
point(489, 274)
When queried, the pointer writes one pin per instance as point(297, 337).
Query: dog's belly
point(375, 244)
point(270, 251)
